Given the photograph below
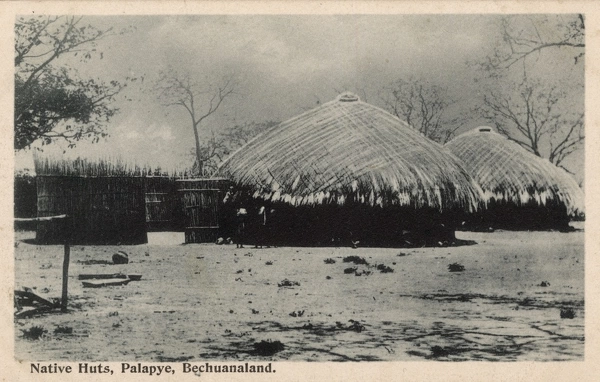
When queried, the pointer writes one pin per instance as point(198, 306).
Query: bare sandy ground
point(209, 302)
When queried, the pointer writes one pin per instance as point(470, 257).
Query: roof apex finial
point(347, 97)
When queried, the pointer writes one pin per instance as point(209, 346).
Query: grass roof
point(96, 167)
point(506, 171)
point(347, 149)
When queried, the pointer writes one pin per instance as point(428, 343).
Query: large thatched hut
point(349, 171)
point(522, 190)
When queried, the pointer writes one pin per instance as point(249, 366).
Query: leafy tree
point(200, 101)
point(51, 101)
point(423, 106)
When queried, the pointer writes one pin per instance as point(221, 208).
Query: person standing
point(240, 231)
point(261, 227)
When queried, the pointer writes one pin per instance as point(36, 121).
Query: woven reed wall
point(25, 201)
point(202, 201)
point(104, 210)
point(162, 204)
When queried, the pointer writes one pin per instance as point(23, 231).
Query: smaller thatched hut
point(522, 190)
point(349, 171)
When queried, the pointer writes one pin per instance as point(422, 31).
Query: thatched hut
point(349, 171)
point(104, 200)
point(522, 190)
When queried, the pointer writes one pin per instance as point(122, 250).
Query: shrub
point(567, 313)
point(356, 260)
point(350, 270)
point(34, 333)
point(456, 267)
point(63, 330)
point(288, 283)
point(329, 261)
point(268, 348)
point(384, 268)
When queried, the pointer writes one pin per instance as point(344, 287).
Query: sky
point(284, 65)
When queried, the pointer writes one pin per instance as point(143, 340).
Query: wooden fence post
point(65, 276)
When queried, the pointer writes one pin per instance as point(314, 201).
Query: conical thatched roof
point(506, 171)
point(349, 150)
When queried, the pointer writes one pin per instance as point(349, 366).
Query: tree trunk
point(198, 156)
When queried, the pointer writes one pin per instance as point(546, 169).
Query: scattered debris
point(162, 358)
point(298, 313)
point(121, 257)
point(86, 276)
point(113, 314)
point(362, 273)
point(254, 311)
point(402, 254)
point(329, 261)
point(544, 284)
point(269, 263)
point(288, 283)
point(105, 283)
point(356, 326)
point(456, 267)
point(37, 304)
point(94, 262)
point(350, 270)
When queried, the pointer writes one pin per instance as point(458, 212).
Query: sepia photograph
point(217, 193)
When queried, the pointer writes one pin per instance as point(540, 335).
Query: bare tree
point(527, 36)
point(218, 147)
point(212, 152)
point(200, 101)
point(423, 106)
point(534, 116)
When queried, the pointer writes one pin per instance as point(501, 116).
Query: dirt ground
point(209, 302)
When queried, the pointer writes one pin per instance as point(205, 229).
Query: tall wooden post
point(65, 276)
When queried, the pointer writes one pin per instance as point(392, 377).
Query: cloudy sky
point(283, 65)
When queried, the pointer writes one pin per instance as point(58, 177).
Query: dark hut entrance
point(163, 211)
point(103, 209)
point(202, 201)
